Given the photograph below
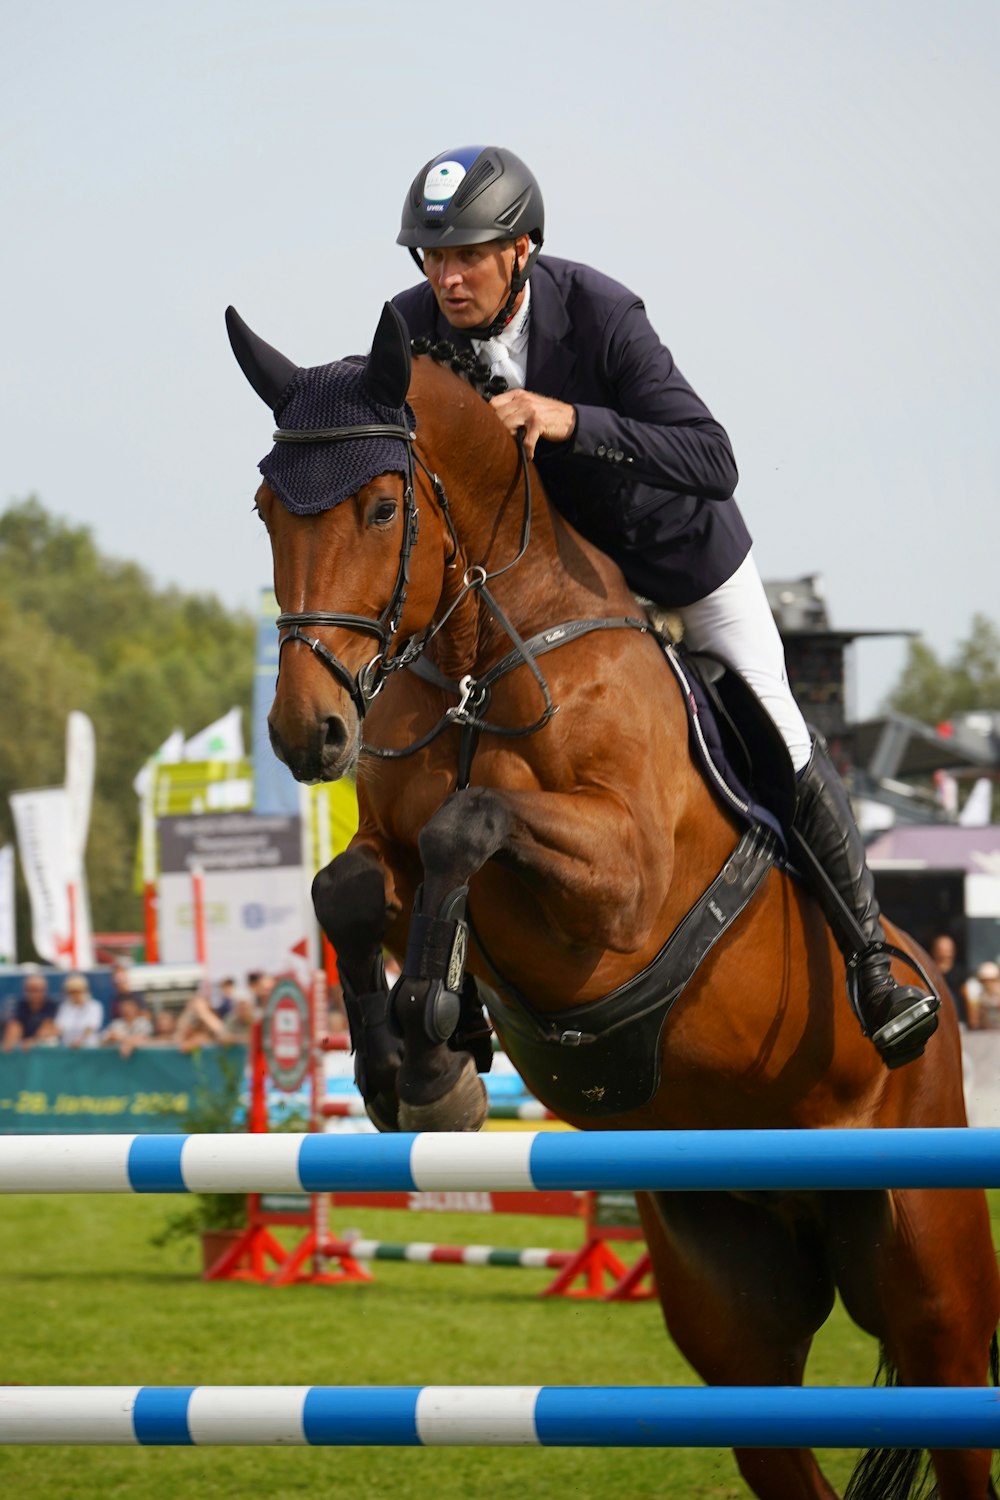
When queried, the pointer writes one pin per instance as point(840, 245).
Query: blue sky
point(805, 195)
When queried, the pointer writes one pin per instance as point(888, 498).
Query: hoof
point(383, 1111)
point(464, 1107)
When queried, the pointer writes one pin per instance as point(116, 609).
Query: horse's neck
point(482, 473)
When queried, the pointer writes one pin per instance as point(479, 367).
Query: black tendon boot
point(898, 1019)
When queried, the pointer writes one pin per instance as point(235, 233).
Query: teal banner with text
point(58, 1091)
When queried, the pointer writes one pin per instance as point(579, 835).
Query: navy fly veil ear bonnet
point(314, 475)
point(310, 477)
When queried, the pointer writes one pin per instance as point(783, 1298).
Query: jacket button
point(600, 450)
point(619, 455)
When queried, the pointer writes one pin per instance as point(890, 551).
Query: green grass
point(87, 1300)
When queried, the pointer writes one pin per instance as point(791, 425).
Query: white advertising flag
point(80, 761)
point(42, 822)
point(222, 740)
point(80, 757)
point(169, 753)
point(8, 926)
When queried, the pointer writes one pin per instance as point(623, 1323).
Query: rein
point(473, 693)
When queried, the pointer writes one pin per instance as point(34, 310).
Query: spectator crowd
point(212, 1017)
point(977, 995)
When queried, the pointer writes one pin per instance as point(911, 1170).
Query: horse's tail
point(887, 1473)
point(893, 1473)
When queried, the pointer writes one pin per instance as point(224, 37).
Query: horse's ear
point(267, 371)
point(387, 374)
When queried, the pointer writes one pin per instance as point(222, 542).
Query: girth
point(603, 1057)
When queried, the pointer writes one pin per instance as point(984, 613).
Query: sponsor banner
point(256, 899)
point(58, 1091)
point(8, 926)
point(187, 787)
point(203, 786)
point(275, 788)
point(331, 812)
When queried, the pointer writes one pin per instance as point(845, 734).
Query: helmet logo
point(443, 181)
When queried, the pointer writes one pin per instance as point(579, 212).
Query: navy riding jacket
point(648, 475)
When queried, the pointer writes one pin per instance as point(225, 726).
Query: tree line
point(932, 689)
point(82, 630)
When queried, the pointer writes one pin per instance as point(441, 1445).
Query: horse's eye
point(384, 512)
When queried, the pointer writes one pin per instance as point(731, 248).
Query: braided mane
point(465, 363)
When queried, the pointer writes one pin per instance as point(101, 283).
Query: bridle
point(365, 686)
point(473, 694)
point(369, 681)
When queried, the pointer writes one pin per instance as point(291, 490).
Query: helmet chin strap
point(518, 277)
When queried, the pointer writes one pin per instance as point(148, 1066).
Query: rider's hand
point(540, 416)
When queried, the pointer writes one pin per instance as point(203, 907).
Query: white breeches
point(735, 623)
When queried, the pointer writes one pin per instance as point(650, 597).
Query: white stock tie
point(498, 356)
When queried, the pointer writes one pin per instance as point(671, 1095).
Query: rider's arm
point(657, 430)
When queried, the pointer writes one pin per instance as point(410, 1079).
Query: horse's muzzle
point(329, 751)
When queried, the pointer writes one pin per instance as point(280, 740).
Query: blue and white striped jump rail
point(512, 1161)
point(503, 1416)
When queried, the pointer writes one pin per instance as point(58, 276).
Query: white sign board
point(257, 909)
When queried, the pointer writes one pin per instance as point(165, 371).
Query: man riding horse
point(634, 459)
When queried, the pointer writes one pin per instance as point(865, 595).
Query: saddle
point(733, 737)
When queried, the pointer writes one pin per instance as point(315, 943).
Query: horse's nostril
point(335, 734)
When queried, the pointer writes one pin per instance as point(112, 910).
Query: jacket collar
point(551, 356)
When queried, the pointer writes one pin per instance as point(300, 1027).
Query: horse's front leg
point(350, 901)
point(586, 857)
point(446, 1038)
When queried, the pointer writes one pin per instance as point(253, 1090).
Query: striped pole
point(503, 1160)
point(503, 1416)
point(422, 1253)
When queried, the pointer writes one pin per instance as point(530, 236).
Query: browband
point(342, 434)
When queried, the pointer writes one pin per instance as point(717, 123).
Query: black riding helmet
point(469, 196)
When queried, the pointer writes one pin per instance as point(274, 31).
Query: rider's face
point(471, 282)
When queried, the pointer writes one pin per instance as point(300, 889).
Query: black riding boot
point(898, 1019)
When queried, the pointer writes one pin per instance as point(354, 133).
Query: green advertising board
point(59, 1091)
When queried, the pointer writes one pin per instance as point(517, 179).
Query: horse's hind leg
point(918, 1269)
point(744, 1285)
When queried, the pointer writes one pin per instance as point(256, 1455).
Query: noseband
point(366, 685)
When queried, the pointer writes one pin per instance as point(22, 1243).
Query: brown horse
point(555, 785)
